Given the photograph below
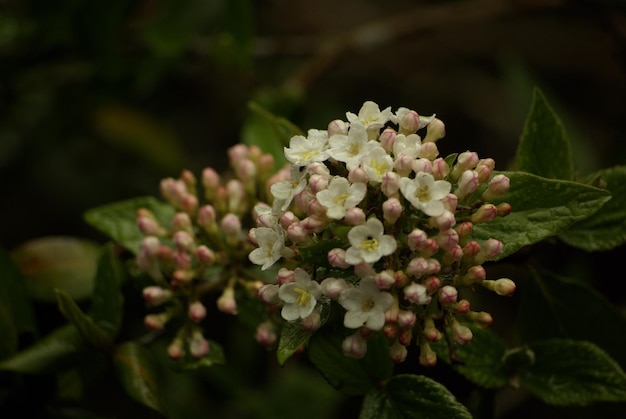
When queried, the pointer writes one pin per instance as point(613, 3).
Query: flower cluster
point(202, 252)
point(393, 222)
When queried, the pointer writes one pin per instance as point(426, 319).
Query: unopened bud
point(448, 295)
point(443, 222)
point(489, 250)
point(499, 185)
point(428, 357)
point(285, 276)
point(440, 168)
point(462, 307)
point(337, 127)
point(481, 319)
point(385, 279)
point(155, 295)
point(354, 216)
point(156, 321)
point(182, 222)
point(409, 122)
point(265, 334)
point(392, 210)
point(354, 346)
point(467, 184)
point(333, 287)
point(435, 130)
point(184, 242)
point(406, 319)
point(485, 213)
point(176, 350)
point(474, 275)
point(397, 352)
point(268, 293)
point(357, 175)
point(312, 322)
point(430, 332)
point(502, 286)
point(416, 294)
point(504, 209)
point(196, 311)
point(388, 138)
point(198, 345)
point(227, 303)
point(422, 165)
point(429, 151)
point(318, 183)
point(432, 284)
point(390, 184)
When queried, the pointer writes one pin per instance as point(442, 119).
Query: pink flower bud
point(428, 357)
point(409, 122)
point(504, 209)
point(332, 287)
point(314, 224)
point(450, 202)
point(416, 294)
point(182, 222)
point(176, 350)
point(466, 161)
point(447, 239)
point(287, 219)
point(392, 210)
point(462, 307)
point(285, 276)
point(464, 229)
point(227, 303)
point(430, 248)
point(238, 152)
point(432, 284)
point(206, 217)
point(364, 269)
point(387, 139)
point(398, 352)
point(406, 319)
point(405, 336)
point(461, 334)
point(422, 165)
point(315, 209)
point(337, 127)
point(196, 311)
point(357, 175)
point(435, 130)
point(481, 319)
point(210, 181)
point(488, 162)
point(337, 258)
point(417, 239)
point(443, 222)
point(448, 295)
point(184, 242)
point(246, 170)
point(156, 321)
point(390, 184)
point(268, 293)
point(182, 260)
point(189, 203)
point(385, 279)
point(390, 330)
point(354, 346)
point(236, 193)
point(474, 275)
point(318, 183)
point(484, 173)
point(467, 184)
point(489, 250)
point(297, 233)
point(400, 279)
point(156, 296)
point(417, 267)
point(403, 164)
point(265, 334)
point(502, 286)
point(312, 322)
point(429, 151)
point(303, 199)
point(454, 254)
point(433, 266)
point(485, 213)
point(183, 276)
point(498, 186)
point(198, 345)
point(431, 334)
point(354, 216)
point(440, 168)
point(470, 250)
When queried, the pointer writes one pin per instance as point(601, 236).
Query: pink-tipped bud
point(443, 222)
point(246, 170)
point(364, 269)
point(312, 322)
point(400, 279)
point(392, 210)
point(206, 217)
point(429, 151)
point(416, 294)
point(182, 222)
point(265, 165)
point(388, 138)
point(428, 357)
point(440, 168)
point(447, 295)
point(318, 183)
point(287, 219)
point(196, 311)
point(464, 229)
point(462, 307)
point(156, 321)
point(433, 267)
point(189, 203)
point(231, 226)
point(184, 242)
point(385, 279)
point(390, 184)
point(422, 165)
point(484, 214)
point(298, 234)
point(417, 239)
point(499, 185)
point(454, 254)
point(198, 345)
point(227, 303)
point(333, 287)
point(447, 239)
point(182, 275)
point(450, 202)
point(461, 334)
point(489, 250)
point(403, 164)
point(390, 330)
point(176, 349)
point(406, 319)
point(484, 173)
point(357, 175)
point(470, 250)
point(265, 334)
point(236, 194)
point(502, 286)
point(481, 319)
point(432, 284)
point(466, 161)
point(474, 275)
point(210, 181)
point(504, 209)
point(285, 276)
point(314, 224)
point(268, 293)
point(238, 152)
point(303, 199)
point(397, 352)
point(409, 122)
point(467, 184)
point(337, 258)
point(417, 267)
point(337, 127)
point(435, 130)
point(430, 248)
point(354, 346)
point(431, 334)
point(354, 216)
point(405, 336)
point(155, 295)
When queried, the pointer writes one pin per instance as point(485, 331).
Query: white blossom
point(285, 190)
point(300, 296)
point(341, 196)
point(369, 243)
point(350, 148)
point(365, 305)
point(424, 193)
point(376, 163)
point(271, 247)
point(305, 150)
point(371, 116)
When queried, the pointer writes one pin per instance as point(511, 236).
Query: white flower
point(300, 296)
point(285, 190)
point(376, 163)
point(271, 247)
point(350, 148)
point(371, 116)
point(408, 145)
point(303, 151)
point(340, 196)
point(365, 305)
point(425, 194)
point(369, 243)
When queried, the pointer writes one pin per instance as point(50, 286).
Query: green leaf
point(58, 262)
point(606, 229)
point(107, 302)
point(49, 354)
point(412, 397)
point(541, 208)
point(573, 373)
point(214, 357)
point(293, 336)
point(135, 371)
point(16, 311)
point(317, 254)
point(348, 375)
point(90, 331)
point(480, 361)
point(117, 220)
point(553, 306)
point(544, 148)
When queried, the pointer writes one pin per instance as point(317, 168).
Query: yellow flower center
point(423, 194)
point(369, 245)
point(367, 305)
point(303, 296)
point(341, 199)
point(379, 168)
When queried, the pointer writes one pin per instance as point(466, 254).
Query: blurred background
point(99, 100)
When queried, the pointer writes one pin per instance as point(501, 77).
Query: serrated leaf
point(606, 229)
point(48, 354)
point(544, 148)
point(293, 335)
point(107, 300)
point(412, 397)
point(89, 330)
point(480, 361)
point(348, 375)
point(117, 220)
point(553, 306)
point(541, 208)
point(135, 371)
point(573, 373)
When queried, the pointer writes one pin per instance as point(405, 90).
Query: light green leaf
point(348, 375)
point(544, 148)
point(606, 229)
point(541, 208)
point(573, 373)
point(480, 361)
point(553, 306)
point(412, 397)
point(117, 220)
point(90, 331)
point(107, 301)
point(49, 354)
point(58, 262)
point(135, 371)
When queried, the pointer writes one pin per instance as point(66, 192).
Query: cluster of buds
point(202, 252)
point(395, 223)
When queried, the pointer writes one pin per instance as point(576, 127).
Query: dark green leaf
point(91, 332)
point(541, 208)
point(49, 354)
point(293, 336)
point(135, 371)
point(117, 220)
point(412, 397)
point(214, 357)
point(58, 262)
point(480, 361)
point(573, 373)
point(544, 148)
point(349, 375)
point(107, 298)
point(553, 306)
point(605, 229)
point(317, 254)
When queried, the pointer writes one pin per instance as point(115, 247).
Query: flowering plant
point(368, 250)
